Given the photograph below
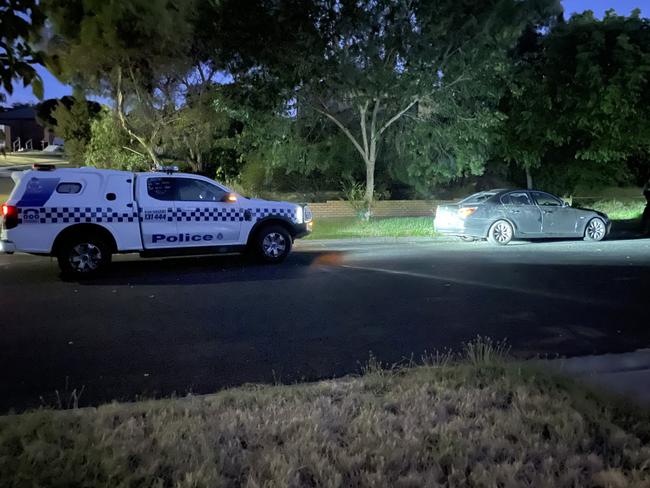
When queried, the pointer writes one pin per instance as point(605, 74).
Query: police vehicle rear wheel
point(272, 244)
point(83, 255)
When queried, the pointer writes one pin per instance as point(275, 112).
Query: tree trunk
point(152, 154)
point(119, 96)
point(370, 187)
point(529, 179)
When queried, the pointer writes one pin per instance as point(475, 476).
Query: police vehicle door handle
point(130, 205)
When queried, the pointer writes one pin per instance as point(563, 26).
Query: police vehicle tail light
point(9, 216)
point(466, 211)
point(43, 167)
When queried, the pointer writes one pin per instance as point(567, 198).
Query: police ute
point(83, 216)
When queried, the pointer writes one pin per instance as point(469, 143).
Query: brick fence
point(381, 208)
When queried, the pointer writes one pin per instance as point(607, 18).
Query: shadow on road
point(196, 270)
point(626, 230)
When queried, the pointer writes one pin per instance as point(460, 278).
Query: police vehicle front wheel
point(272, 244)
point(83, 255)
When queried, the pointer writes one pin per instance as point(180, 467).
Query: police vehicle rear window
point(161, 188)
point(68, 188)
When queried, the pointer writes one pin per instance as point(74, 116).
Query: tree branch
point(119, 99)
point(396, 117)
point(344, 129)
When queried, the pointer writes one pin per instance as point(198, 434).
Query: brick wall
point(382, 208)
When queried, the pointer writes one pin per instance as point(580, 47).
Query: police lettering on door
point(185, 238)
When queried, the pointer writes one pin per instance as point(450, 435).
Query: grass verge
point(379, 227)
point(32, 157)
point(619, 210)
point(469, 424)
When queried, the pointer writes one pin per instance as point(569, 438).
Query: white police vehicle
point(83, 216)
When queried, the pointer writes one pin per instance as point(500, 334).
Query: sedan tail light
point(466, 211)
point(9, 216)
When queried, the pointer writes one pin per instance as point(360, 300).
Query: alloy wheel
point(85, 257)
point(274, 245)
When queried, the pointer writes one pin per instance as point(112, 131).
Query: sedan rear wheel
point(595, 230)
point(501, 233)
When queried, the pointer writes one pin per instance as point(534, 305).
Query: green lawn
point(619, 210)
point(482, 423)
point(31, 157)
point(381, 227)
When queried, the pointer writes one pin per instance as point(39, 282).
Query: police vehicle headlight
point(307, 214)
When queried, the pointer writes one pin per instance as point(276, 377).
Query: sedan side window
point(191, 190)
point(516, 198)
point(546, 200)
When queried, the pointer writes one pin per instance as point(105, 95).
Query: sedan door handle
point(515, 211)
point(548, 211)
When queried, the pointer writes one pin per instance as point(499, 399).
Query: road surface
point(151, 328)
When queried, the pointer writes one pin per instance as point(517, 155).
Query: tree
point(110, 146)
point(203, 133)
point(73, 123)
point(365, 65)
point(45, 109)
point(136, 52)
point(21, 22)
point(579, 101)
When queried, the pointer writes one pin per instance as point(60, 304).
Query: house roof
point(20, 113)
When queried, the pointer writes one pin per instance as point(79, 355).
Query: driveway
point(162, 326)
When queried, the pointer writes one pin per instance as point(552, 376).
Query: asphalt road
point(156, 327)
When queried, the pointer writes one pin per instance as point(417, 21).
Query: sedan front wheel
point(595, 230)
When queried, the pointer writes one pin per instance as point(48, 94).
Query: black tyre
point(596, 230)
point(83, 255)
point(272, 244)
point(500, 233)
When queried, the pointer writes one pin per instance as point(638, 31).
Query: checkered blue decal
point(71, 215)
point(260, 213)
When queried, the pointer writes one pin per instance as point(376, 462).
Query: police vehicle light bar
point(167, 169)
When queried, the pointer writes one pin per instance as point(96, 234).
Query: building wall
point(26, 129)
point(382, 208)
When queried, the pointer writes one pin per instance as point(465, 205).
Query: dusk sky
point(54, 89)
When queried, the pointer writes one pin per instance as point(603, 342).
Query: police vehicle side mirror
point(229, 198)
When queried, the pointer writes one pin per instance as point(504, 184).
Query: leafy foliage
point(21, 21)
point(364, 66)
point(579, 100)
point(135, 52)
point(110, 146)
point(73, 124)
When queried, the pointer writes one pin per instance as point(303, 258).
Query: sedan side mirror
point(565, 204)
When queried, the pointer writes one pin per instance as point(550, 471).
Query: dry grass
point(494, 424)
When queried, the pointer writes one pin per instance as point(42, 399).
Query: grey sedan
point(503, 215)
